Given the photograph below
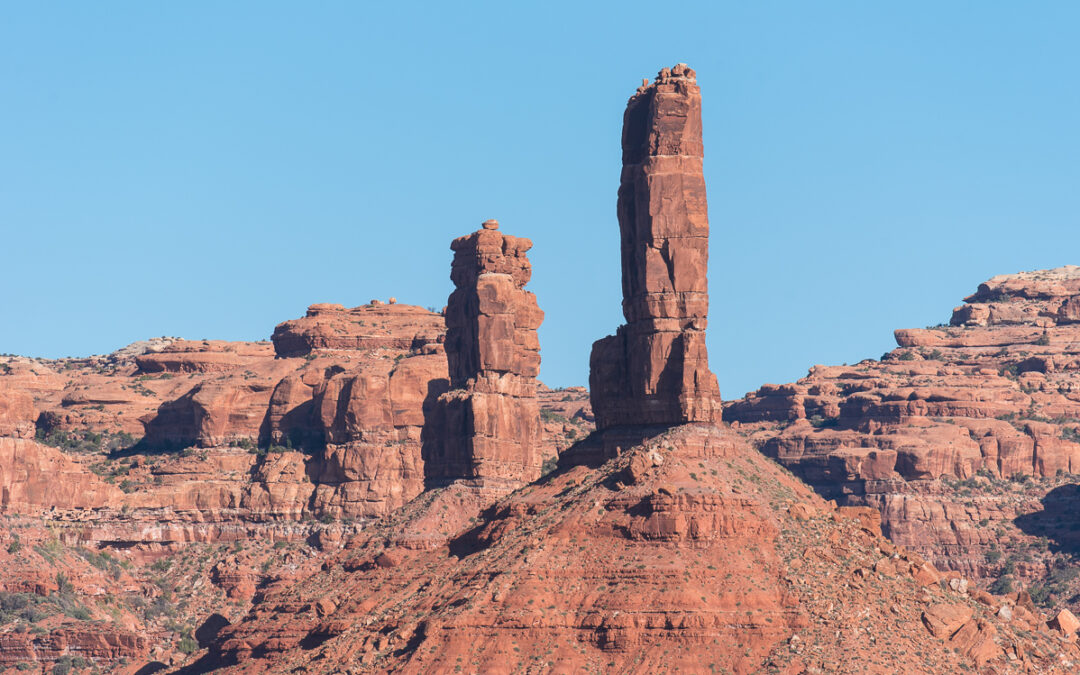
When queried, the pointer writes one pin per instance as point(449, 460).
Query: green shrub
point(33, 614)
point(63, 665)
point(551, 416)
point(63, 584)
point(188, 645)
point(549, 465)
point(1003, 586)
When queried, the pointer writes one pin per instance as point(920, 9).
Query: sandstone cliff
point(690, 553)
point(966, 438)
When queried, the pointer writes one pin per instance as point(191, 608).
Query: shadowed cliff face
point(1058, 521)
point(965, 438)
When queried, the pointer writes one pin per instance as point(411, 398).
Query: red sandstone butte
point(491, 415)
point(655, 369)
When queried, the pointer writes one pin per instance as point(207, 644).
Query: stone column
point(655, 369)
point(491, 425)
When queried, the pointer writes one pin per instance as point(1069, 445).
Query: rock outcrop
point(374, 417)
point(330, 327)
point(488, 429)
point(18, 416)
point(34, 477)
point(202, 356)
point(966, 438)
point(655, 369)
point(691, 553)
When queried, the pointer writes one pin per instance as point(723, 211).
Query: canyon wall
point(966, 438)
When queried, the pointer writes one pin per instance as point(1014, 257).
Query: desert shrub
point(33, 614)
point(1002, 586)
point(188, 645)
point(820, 422)
point(10, 602)
point(551, 416)
point(86, 441)
point(549, 465)
point(63, 584)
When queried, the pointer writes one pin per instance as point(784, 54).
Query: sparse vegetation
point(86, 441)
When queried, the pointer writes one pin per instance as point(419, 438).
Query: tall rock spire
point(655, 369)
point(491, 415)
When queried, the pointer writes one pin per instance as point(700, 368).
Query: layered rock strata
point(655, 369)
point(966, 438)
point(489, 426)
point(692, 553)
point(377, 325)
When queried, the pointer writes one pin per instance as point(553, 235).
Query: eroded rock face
point(17, 414)
point(490, 419)
point(655, 369)
point(374, 419)
point(202, 356)
point(966, 438)
point(690, 553)
point(33, 477)
point(373, 326)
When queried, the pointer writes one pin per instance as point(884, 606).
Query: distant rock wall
point(377, 325)
point(962, 437)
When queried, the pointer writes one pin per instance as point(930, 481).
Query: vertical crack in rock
point(490, 418)
point(655, 369)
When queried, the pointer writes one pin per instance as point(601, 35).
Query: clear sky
point(209, 169)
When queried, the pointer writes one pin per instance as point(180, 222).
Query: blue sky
point(209, 169)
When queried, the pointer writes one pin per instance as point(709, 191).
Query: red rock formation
point(34, 477)
point(966, 438)
point(655, 369)
point(17, 414)
point(692, 553)
point(215, 412)
point(203, 356)
point(490, 419)
point(374, 417)
point(373, 326)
